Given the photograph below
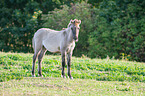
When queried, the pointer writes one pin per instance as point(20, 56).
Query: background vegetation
point(109, 27)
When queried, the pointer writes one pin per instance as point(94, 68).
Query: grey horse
point(56, 41)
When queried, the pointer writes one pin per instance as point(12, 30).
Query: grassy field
point(65, 87)
point(91, 76)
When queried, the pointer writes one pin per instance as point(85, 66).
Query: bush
point(109, 28)
point(118, 31)
point(59, 18)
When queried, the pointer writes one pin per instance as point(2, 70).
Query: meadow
point(91, 76)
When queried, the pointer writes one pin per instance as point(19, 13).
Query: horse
point(63, 41)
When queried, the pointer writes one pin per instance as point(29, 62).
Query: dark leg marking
point(63, 64)
point(34, 61)
point(43, 51)
point(69, 55)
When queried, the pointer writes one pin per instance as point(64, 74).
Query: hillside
point(91, 76)
point(19, 65)
point(65, 87)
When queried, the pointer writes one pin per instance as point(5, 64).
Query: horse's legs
point(63, 64)
point(37, 49)
point(34, 61)
point(69, 55)
point(40, 56)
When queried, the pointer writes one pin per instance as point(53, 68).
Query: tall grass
point(19, 65)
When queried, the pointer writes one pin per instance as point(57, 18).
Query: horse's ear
point(79, 22)
point(72, 21)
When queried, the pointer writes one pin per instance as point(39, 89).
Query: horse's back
point(48, 38)
point(41, 33)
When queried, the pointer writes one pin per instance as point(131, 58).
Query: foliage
point(18, 66)
point(109, 27)
point(60, 18)
point(20, 19)
point(119, 30)
point(109, 30)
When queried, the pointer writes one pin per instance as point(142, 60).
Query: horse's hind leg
point(40, 56)
point(34, 61)
point(36, 52)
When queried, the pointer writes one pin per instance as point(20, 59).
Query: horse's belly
point(52, 47)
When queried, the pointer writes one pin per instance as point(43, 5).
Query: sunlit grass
point(19, 65)
point(101, 77)
point(65, 87)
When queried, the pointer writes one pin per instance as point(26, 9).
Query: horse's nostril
point(75, 38)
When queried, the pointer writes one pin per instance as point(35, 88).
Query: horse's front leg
point(69, 55)
point(63, 64)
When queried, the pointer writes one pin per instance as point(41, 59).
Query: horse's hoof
point(40, 75)
point(33, 75)
point(70, 78)
point(63, 76)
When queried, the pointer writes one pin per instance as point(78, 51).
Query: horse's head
point(74, 24)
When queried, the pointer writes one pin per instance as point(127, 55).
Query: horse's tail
point(33, 43)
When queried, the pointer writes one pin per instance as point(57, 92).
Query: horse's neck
point(69, 34)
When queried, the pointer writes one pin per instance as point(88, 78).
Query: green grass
point(99, 77)
point(19, 65)
point(65, 87)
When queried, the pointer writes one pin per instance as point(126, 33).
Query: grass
point(19, 65)
point(62, 87)
point(91, 76)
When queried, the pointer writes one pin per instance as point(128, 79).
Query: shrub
point(59, 18)
point(118, 30)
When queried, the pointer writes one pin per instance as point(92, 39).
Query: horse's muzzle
point(76, 39)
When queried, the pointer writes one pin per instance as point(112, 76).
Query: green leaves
point(118, 31)
point(108, 27)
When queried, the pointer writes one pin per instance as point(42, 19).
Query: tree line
point(114, 28)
